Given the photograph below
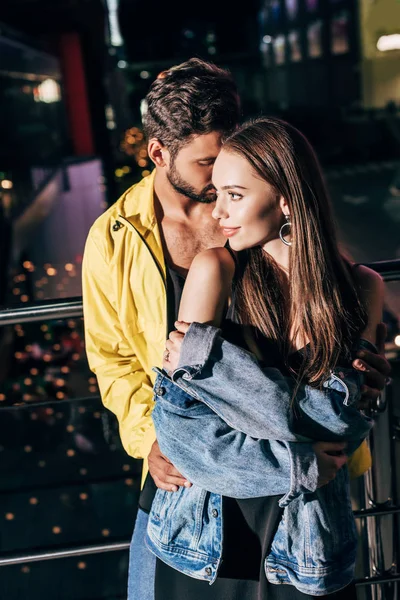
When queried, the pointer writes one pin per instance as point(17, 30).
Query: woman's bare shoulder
point(369, 281)
point(372, 291)
point(214, 261)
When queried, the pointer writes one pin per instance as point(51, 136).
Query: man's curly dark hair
point(193, 98)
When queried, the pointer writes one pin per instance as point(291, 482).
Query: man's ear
point(158, 153)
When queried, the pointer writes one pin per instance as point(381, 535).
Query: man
point(136, 257)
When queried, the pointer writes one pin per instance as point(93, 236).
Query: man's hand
point(165, 476)
point(330, 458)
point(375, 368)
point(173, 346)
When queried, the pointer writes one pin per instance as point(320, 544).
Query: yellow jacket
point(125, 317)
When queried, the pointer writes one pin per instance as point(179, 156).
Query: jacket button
point(117, 225)
point(214, 512)
point(208, 570)
point(161, 391)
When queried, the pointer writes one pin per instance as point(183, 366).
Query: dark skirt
point(249, 528)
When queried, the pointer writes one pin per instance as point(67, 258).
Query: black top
point(249, 525)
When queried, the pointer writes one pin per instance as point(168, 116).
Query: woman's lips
point(229, 231)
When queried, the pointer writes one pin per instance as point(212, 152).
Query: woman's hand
point(173, 346)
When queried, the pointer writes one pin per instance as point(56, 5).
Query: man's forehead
point(204, 146)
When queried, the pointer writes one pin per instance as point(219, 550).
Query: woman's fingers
point(182, 326)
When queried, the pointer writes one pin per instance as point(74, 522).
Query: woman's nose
point(219, 211)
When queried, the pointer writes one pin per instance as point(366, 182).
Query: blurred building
point(310, 51)
point(324, 71)
point(326, 54)
point(380, 52)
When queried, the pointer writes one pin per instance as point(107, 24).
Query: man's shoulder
point(107, 219)
point(134, 200)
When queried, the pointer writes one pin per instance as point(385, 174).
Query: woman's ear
point(158, 153)
point(284, 206)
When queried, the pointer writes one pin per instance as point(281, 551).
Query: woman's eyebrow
point(233, 185)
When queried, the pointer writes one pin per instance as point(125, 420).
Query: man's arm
point(125, 388)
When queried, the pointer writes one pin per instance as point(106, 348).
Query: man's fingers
point(330, 458)
point(369, 394)
point(339, 461)
point(330, 446)
point(163, 485)
point(166, 479)
point(372, 377)
point(160, 465)
point(374, 361)
point(163, 472)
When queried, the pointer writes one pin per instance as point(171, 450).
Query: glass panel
point(65, 479)
point(294, 45)
point(312, 5)
point(279, 49)
point(340, 33)
point(292, 8)
point(314, 39)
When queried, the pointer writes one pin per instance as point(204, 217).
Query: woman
point(301, 309)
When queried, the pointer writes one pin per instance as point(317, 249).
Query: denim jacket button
point(161, 391)
point(208, 570)
point(214, 512)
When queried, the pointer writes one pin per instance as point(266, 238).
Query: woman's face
point(248, 208)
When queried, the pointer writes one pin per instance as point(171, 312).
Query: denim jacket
point(231, 432)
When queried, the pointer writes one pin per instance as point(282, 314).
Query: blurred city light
point(389, 42)
point(6, 184)
point(115, 33)
point(48, 91)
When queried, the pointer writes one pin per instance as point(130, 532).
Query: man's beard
point(183, 187)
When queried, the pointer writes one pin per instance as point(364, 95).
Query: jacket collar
point(138, 203)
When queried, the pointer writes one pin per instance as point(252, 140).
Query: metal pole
point(39, 311)
point(68, 553)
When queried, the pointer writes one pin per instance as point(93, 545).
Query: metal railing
point(372, 510)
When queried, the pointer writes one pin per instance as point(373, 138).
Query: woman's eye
point(235, 196)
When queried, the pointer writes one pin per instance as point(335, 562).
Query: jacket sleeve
point(223, 460)
point(259, 400)
point(125, 388)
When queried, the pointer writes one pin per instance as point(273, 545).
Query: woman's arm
point(208, 287)
point(372, 291)
point(257, 400)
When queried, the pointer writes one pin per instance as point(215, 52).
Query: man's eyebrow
point(206, 158)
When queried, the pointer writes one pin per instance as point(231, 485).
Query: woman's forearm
point(259, 401)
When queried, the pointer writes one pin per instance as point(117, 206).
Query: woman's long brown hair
point(323, 304)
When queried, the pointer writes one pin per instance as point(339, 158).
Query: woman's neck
point(279, 252)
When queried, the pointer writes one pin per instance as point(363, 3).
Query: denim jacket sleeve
point(258, 400)
point(220, 459)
